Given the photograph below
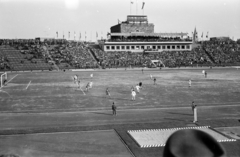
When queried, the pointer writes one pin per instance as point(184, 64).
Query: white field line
point(65, 132)
point(12, 78)
point(5, 92)
point(28, 85)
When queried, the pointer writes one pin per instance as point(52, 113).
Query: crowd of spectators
point(208, 53)
point(4, 65)
point(75, 54)
point(62, 53)
point(121, 58)
point(71, 54)
point(183, 58)
point(22, 42)
point(223, 52)
point(126, 58)
point(165, 58)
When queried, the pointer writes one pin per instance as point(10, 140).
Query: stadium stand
point(22, 59)
point(168, 58)
point(47, 55)
point(52, 54)
point(223, 52)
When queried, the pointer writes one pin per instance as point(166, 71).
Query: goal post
point(3, 78)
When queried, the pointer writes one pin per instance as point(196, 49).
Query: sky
point(27, 19)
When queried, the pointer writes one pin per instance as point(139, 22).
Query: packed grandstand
point(20, 55)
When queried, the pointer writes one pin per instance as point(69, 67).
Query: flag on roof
point(143, 5)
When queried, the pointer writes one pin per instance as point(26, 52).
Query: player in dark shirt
point(114, 109)
point(140, 84)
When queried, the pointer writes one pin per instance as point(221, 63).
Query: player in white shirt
point(91, 75)
point(190, 83)
point(133, 94)
point(90, 84)
point(75, 79)
point(151, 76)
point(138, 88)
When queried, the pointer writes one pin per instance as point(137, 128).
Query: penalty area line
point(9, 80)
point(28, 84)
point(12, 78)
point(5, 92)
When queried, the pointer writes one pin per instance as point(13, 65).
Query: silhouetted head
point(192, 143)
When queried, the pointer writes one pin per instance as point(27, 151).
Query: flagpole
point(130, 6)
point(143, 7)
point(80, 36)
point(96, 36)
point(136, 7)
point(74, 36)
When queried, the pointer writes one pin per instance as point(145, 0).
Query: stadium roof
point(137, 18)
point(150, 34)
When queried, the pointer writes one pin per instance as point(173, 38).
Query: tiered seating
point(32, 55)
point(223, 52)
point(72, 55)
point(3, 61)
point(20, 62)
point(168, 58)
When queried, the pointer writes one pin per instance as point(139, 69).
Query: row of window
point(154, 47)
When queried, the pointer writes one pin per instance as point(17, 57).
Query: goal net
point(3, 79)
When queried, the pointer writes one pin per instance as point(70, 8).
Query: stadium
point(63, 97)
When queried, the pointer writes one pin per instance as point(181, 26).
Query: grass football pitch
point(49, 102)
